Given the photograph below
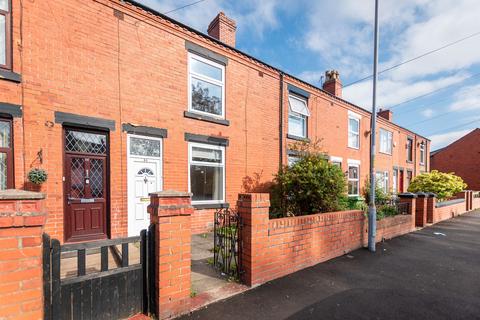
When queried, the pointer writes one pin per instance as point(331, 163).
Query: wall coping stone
point(449, 203)
point(170, 194)
point(408, 195)
point(422, 195)
point(15, 194)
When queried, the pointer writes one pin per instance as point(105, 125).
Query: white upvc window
point(353, 130)
point(206, 173)
point(206, 86)
point(422, 153)
point(353, 179)
point(298, 114)
point(336, 161)
point(382, 180)
point(395, 181)
point(292, 159)
point(386, 141)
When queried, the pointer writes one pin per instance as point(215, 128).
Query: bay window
point(386, 141)
point(206, 86)
point(207, 173)
point(5, 34)
point(298, 114)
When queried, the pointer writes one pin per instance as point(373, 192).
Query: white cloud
point(468, 98)
point(444, 139)
point(254, 17)
point(428, 113)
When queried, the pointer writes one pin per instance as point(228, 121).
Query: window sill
point(211, 206)
point(408, 161)
point(385, 153)
point(354, 148)
point(10, 76)
point(196, 116)
point(289, 136)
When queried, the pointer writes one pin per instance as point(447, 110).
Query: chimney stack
point(385, 114)
point(332, 83)
point(223, 28)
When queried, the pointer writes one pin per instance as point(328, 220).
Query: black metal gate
point(227, 243)
point(104, 292)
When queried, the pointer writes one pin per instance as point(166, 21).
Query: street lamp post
point(372, 210)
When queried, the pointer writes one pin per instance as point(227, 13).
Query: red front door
point(401, 181)
point(86, 193)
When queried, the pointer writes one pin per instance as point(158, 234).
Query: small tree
point(444, 185)
point(311, 185)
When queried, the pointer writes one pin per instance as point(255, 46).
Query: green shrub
point(381, 197)
point(386, 211)
point(444, 185)
point(311, 185)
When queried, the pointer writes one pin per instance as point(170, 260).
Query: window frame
point(8, 37)
point(422, 153)
point(357, 119)
point(409, 149)
point(355, 179)
point(10, 184)
point(201, 77)
point(409, 178)
point(385, 179)
point(389, 135)
point(207, 164)
point(297, 115)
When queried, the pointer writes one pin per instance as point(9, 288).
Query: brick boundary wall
point(475, 200)
point(170, 214)
point(22, 219)
point(277, 247)
point(202, 220)
point(445, 212)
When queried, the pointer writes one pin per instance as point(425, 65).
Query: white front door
point(144, 176)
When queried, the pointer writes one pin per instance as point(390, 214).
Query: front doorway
point(86, 184)
point(144, 176)
point(401, 181)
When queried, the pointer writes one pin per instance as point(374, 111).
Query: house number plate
point(145, 199)
point(87, 200)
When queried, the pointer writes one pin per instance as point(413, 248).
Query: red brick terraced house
point(462, 158)
point(115, 100)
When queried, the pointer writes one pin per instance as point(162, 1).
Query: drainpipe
point(281, 120)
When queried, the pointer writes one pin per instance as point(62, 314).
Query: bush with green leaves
point(444, 185)
point(381, 197)
point(311, 185)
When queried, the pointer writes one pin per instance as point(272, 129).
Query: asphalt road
point(433, 273)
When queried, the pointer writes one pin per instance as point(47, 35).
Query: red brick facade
point(461, 157)
point(118, 62)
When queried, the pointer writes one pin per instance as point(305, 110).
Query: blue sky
point(305, 38)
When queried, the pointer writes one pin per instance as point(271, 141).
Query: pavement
point(433, 273)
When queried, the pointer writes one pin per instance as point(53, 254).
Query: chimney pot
point(223, 28)
point(332, 83)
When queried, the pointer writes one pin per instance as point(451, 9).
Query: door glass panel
point(4, 134)
point(85, 142)
point(96, 178)
point(3, 171)
point(77, 178)
point(144, 147)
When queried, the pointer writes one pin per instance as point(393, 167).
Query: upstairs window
point(298, 114)
point(409, 149)
point(206, 86)
point(353, 132)
point(386, 141)
point(5, 34)
point(207, 173)
point(422, 153)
